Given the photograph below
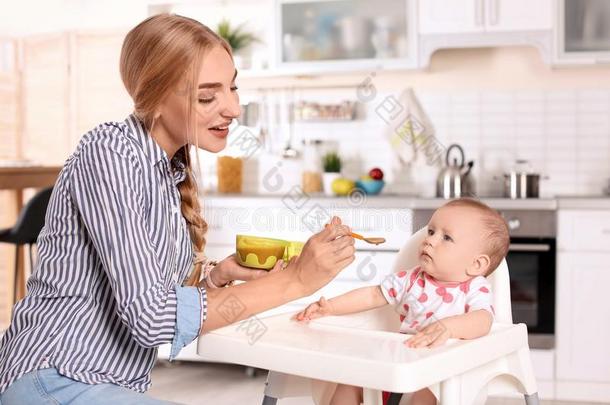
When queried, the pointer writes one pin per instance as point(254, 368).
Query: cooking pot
point(521, 185)
point(522, 182)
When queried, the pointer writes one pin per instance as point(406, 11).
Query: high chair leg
point(267, 400)
point(532, 399)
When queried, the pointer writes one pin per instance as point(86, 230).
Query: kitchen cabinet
point(582, 327)
point(583, 330)
point(582, 32)
point(484, 23)
point(339, 35)
point(468, 16)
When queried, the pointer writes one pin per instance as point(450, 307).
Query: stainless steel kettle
point(454, 179)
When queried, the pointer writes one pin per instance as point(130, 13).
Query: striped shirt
point(112, 256)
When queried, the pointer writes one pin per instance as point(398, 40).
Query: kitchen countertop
point(399, 201)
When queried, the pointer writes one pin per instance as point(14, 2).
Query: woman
point(121, 267)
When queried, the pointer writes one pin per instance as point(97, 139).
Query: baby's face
point(453, 249)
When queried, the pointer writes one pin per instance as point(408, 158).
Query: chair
point(28, 227)
point(508, 371)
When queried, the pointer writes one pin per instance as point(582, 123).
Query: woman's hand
point(324, 255)
point(315, 310)
point(228, 270)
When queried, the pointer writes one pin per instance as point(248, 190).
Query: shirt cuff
point(191, 313)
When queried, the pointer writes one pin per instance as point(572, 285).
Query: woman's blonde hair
point(157, 55)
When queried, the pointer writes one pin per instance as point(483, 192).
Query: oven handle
point(529, 247)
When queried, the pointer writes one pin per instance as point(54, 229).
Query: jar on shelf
point(311, 181)
point(230, 175)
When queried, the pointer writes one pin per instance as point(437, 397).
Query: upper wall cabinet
point(338, 35)
point(466, 16)
point(484, 23)
point(583, 31)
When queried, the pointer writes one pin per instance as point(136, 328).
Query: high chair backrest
point(500, 283)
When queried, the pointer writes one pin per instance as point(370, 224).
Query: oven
point(531, 263)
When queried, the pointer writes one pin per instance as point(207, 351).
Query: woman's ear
point(479, 266)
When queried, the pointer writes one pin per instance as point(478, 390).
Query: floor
point(218, 384)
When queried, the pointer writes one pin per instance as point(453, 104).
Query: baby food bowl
point(262, 253)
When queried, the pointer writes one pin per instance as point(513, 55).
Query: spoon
point(372, 241)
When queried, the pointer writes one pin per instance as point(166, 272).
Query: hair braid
point(191, 210)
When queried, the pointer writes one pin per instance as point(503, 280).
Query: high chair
point(365, 350)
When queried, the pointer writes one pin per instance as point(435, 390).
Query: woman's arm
point(324, 255)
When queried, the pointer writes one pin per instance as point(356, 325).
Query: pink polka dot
point(441, 291)
point(447, 298)
point(392, 292)
point(413, 324)
point(406, 307)
point(414, 275)
point(429, 314)
point(484, 289)
point(402, 318)
point(423, 297)
point(420, 282)
point(465, 286)
point(466, 308)
point(401, 274)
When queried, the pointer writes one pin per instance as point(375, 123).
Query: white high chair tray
point(344, 350)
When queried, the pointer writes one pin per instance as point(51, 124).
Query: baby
point(445, 296)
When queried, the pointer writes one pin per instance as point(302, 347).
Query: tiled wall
point(564, 133)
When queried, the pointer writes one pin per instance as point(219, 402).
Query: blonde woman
point(121, 268)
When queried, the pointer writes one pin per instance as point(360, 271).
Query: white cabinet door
point(582, 31)
point(583, 314)
point(457, 16)
point(518, 15)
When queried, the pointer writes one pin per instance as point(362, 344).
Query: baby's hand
point(315, 310)
point(431, 336)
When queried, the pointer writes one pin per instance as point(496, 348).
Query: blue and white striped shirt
point(112, 256)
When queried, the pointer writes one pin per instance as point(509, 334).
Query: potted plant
point(331, 163)
point(236, 37)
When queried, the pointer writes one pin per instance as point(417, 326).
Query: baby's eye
point(447, 238)
point(430, 232)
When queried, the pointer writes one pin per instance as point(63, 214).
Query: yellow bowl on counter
point(262, 253)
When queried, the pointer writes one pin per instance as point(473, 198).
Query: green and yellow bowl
point(262, 253)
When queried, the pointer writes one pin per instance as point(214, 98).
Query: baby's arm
point(466, 326)
point(357, 300)
point(470, 325)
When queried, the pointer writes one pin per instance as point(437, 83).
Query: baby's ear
point(480, 266)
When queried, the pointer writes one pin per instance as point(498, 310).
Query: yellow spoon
point(372, 241)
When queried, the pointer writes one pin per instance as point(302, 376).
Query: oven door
point(531, 264)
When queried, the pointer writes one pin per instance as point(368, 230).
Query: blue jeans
point(48, 387)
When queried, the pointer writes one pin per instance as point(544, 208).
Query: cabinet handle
point(493, 12)
point(479, 12)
